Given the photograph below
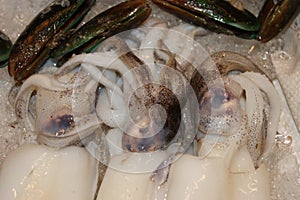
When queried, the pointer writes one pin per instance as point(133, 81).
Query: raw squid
point(38, 172)
point(176, 125)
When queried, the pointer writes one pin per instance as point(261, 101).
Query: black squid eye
point(217, 100)
point(59, 125)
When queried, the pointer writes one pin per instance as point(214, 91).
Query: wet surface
point(279, 57)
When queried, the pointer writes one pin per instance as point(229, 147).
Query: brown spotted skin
point(148, 137)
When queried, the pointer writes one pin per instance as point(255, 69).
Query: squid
point(157, 120)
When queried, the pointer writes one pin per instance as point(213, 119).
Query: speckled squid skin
point(218, 66)
point(219, 99)
point(151, 128)
point(61, 108)
point(152, 134)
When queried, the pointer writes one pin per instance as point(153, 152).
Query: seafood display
point(228, 127)
point(138, 105)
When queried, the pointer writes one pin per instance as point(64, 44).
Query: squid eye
point(220, 98)
point(220, 110)
point(58, 125)
point(217, 101)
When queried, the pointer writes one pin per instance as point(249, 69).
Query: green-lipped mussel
point(41, 39)
point(5, 48)
point(29, 52)
point(37, 41)
point(215, 15)
point(225, 17)
point(275, 16)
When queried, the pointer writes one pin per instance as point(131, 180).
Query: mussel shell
point(5, 48)
point(29, 52)
point(215, 15)
point(121, 17)
point(275, 16)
